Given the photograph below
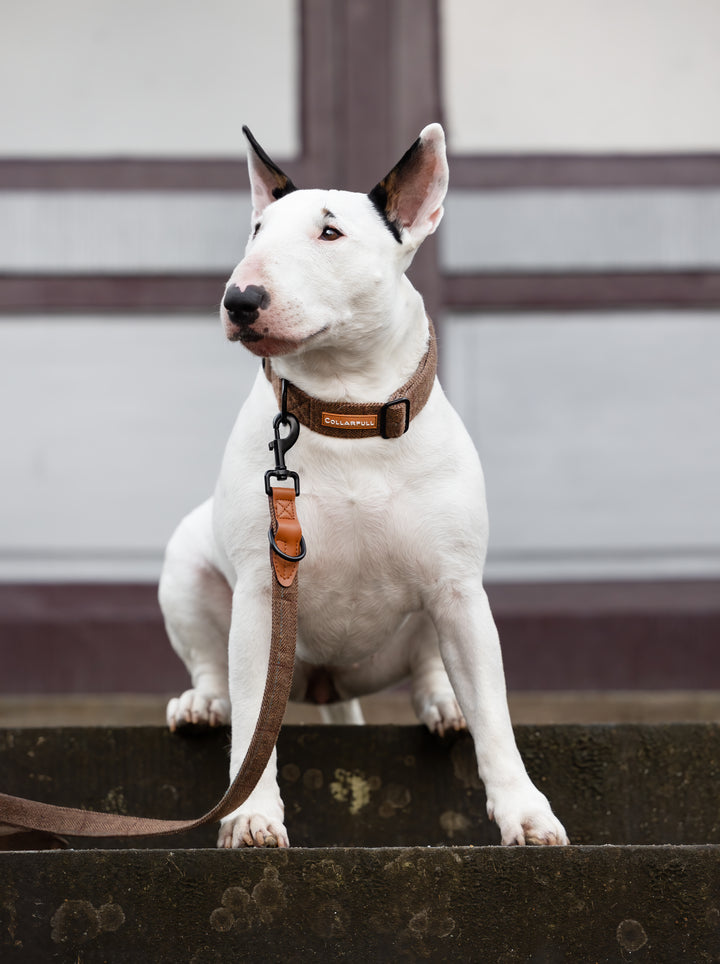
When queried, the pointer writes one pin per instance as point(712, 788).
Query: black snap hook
point(282, 444)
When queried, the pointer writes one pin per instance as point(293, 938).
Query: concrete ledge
point(391, 707)
point(379, 786)
point(361, 882)
point(600, 904)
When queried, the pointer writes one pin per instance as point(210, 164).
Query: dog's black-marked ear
point(267, 181)
point(410, 198)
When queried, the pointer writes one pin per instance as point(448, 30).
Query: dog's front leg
point(470, 649)
point(259, 821)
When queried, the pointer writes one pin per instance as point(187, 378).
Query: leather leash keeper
point(287, 547)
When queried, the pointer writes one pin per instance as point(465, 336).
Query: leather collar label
point(349, 422)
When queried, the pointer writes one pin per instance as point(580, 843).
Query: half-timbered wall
point(575, 279)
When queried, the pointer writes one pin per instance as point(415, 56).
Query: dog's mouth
point(266, 345)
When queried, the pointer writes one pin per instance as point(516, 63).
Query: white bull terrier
point(396, 527)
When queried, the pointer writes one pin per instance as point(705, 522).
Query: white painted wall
point(147, 79)
point(599, 438)
point(581, 230)
point(598, 432)
point(581, 75)
point(123, 232)
point(112, 429)
point(136, 232)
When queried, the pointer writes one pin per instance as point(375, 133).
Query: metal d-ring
point(283, 555)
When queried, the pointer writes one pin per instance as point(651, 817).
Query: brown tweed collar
point(389, 419)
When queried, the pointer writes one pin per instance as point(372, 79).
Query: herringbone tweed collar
point(389, 419)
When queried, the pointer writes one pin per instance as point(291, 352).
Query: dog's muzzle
point(243, 305)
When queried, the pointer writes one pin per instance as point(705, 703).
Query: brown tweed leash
point(33, 815)
point(287, 548)
point(390, 419)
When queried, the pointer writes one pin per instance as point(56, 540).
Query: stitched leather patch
point(287, 533)
point(349, 422)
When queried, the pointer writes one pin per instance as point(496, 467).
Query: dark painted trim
point(610, 636)
point(320, 106)
point(416, 70)
point(320, 164)
point(581, 291)
point(139, 174)
point(80, 638)
point(596, 599)
point(319, 161)
point(585, 636)
point(85, 294)
point(416, 78)
point(518, 171)
point(365, 124)
point(125, 174)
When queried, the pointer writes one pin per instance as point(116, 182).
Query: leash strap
point(389, 419)
point(287, 537)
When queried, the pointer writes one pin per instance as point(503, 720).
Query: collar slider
point(384, 414)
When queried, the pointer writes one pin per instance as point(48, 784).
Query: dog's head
point(324, 267)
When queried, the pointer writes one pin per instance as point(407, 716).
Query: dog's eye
point(256, 229)
point(330, 234)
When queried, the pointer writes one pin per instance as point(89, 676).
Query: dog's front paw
point(197, 708)
point(251, 830)
point(439, 711)
point(526, 818)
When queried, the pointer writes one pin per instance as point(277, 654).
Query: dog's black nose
point(243, 305)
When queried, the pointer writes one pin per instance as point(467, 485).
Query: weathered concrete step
point(381, 786)
point(361, 883)
point(491, 905)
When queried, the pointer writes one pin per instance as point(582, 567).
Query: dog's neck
point(372, 366)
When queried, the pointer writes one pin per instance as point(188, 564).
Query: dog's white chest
point(355, 585)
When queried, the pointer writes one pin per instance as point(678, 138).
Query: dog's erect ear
point(267, 181)
point(410, 198)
